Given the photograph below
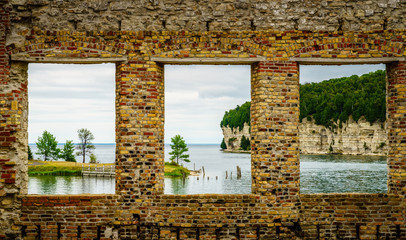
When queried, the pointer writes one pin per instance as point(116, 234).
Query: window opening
point(64, 98)
point(342, 129)
point(196, 99)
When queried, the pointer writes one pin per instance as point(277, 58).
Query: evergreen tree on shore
point(223, 144)
point(245, 143)
point(179, 149)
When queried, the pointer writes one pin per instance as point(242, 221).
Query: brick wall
point(396, 90)
point(334, 32)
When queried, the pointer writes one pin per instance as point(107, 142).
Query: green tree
point(237, 117)
point(67, 152)
point(30, 156)
point(85, 146)
point(179, 148)
point(245, 143)
point(93, 158)
point(47, 146)
point(223, 145)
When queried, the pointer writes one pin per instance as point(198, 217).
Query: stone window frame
point(208, 61)
point(357, 61)
point(63, 61)
point(212, 62)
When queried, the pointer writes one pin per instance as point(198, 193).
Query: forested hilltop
point(331, 102)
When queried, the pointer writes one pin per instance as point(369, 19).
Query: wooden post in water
point(238, 172)
point(204, 173)
point(226, 174)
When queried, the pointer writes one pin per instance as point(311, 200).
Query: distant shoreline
point(190, 144)
point(78, 143)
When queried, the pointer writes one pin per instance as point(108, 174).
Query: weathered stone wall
point(207, 15)
point(140, 37)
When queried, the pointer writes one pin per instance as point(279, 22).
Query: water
point(343, 173)
point(215, 163)
point(319, 174)
point(105, 153)
point(70, 185)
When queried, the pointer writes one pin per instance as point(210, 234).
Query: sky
point(66, 97)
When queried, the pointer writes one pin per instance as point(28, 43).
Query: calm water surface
point(319, 174)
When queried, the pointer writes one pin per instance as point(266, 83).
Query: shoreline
point(332, 154)
point(63, 168)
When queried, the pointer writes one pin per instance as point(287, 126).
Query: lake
point(319, 174)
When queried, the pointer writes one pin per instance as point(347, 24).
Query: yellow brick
point(14, 105)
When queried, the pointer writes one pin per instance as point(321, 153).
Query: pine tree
point(179, 148)
point(245, 143)
point(223, 144)
point(30, 156)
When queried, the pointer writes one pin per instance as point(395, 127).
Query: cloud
point(66, 97)
point(197, 96)
point(208, 80)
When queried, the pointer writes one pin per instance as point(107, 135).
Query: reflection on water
point(215, 163)
point(70, 185)
point(318, 174)
point(339, 173)
point(198, 185)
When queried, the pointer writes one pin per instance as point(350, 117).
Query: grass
point(172, 169)
point(58, 168)
point(62, 168)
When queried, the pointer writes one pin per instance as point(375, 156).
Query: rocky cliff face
point(232, 136)
point(353, 138)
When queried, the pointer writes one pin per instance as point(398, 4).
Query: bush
point(93, 158)
point(237, 117)
point(30, 156)
point(223, 145)
point(245, 143)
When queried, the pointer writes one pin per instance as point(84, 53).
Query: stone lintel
point(345, 61)
point(208, 60)
point(67, 60)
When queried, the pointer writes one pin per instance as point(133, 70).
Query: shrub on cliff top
point(237, 117)
point(331, 102)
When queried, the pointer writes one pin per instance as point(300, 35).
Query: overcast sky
point(66, 97)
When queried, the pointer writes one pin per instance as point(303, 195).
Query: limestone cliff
point(353, 138)
point(232, 136)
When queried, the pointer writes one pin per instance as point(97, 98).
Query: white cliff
point(353, 138)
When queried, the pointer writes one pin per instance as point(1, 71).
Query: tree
point(85, 146)
point(245, 143)
point(223, 145)
point(179, 148)
point(47, 146)
point(93, 158)
point(67, 152)
point(30, 156)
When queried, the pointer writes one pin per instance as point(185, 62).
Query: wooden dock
point(99, 171)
